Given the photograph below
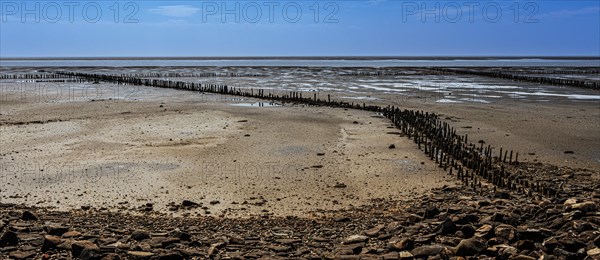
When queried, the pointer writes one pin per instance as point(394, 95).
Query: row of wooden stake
point(475, 165)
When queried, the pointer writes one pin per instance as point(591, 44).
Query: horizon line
point(357, 57)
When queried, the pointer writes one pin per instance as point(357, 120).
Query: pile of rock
point(449, 223)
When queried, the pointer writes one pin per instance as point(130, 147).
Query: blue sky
point(296, 28)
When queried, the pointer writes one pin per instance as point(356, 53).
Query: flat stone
point(8, 249)
point(424, 251)
point(28, 248)
point(189, 203)
point(551, 243)
point(50, 242)
point(484, 231)
point(107, 240)
point(584, 206)
point(139, 235)
point(22, 254)
point(391, 256)
point(506, 251)
point(339, 185)
point(212, 250)
point(523, 257)
point(236, 240)
point(470, 247)
point(594, 252)
point(66, 245)
point(375, 230)
point(451, 241)
point(140, 254)
point(557, 223)
point(119, 245)
point(506, 231)
point(355, 239)
point(321, 239)
point(169, 241)
point(144, 247)
point(29, 237)
point(79, 246)
point(570, 201)
point(405, 255)
point(349, 249)
point(56, 230)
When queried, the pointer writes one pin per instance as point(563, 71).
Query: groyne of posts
point(580, 83)
point(475, 165)
point(194, 75)
point(40, 76)
point(142, 75)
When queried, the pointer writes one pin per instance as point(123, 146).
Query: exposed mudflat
point(166, 146)
point(104, 171)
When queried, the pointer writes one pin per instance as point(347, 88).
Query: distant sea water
point(300, 63)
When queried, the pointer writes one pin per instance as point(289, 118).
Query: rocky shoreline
point(448, 223)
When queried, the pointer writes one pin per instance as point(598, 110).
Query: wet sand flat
point(165, 146)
